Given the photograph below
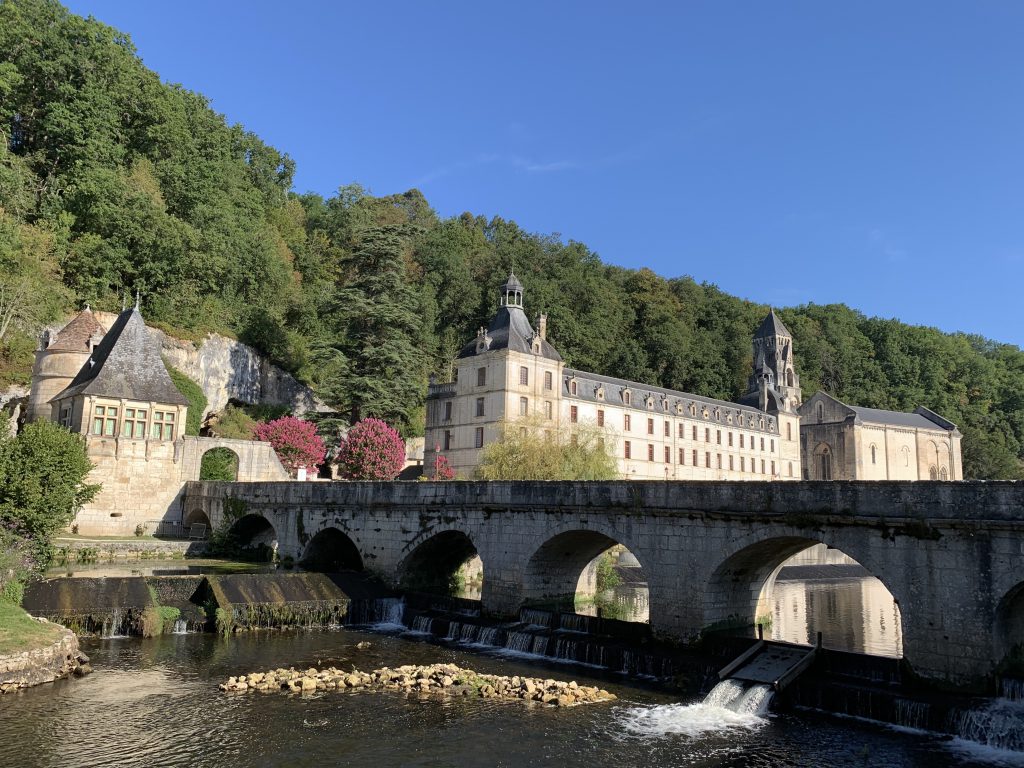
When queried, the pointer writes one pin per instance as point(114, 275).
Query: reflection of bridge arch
point(330, 551)
point(737, 585)
point(563, 570)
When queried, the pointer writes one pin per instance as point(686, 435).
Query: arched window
point(933, 473)
point(821, 412)
point(943, 475)
point(789, 379)
point(905, 454)
point(823, 462)
point(874, 454)
point(627, 397)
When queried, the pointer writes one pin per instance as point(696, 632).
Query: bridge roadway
point(951, 554)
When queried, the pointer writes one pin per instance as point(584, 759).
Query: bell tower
point(774, 371)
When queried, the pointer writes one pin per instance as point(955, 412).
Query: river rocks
point(442, 679)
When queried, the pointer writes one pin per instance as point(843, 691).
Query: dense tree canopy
point(111, 182)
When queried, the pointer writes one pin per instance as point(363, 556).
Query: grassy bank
point(20, 632)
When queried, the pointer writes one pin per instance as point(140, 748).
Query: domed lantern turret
point(512, 292)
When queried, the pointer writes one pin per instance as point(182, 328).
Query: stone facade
point(511, 372)
point(842, 442)
point(950, 553)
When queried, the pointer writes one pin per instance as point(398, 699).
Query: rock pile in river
point(445, 679)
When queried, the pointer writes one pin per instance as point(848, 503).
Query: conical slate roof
point(126, 364)
point(771, 326)
point(512, 284)
point(75, 336)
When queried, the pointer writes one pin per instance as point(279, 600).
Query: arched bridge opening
point(331, 551)
point(589, 573)
point(794, 588)
point(447, 564)
point(219, 464)
point(253, 537)
point(1009, 633)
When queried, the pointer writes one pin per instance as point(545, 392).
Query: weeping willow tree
point(532, 448)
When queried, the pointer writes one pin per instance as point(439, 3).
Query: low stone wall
point(43, 665)
point(101, 550)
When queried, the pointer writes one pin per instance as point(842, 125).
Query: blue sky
point(790, 152)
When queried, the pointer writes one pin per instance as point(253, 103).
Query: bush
point(235, 424)
point(295, 442)
point(371, 451)
point(530, 449)
point(219, 464)
point(196, 399)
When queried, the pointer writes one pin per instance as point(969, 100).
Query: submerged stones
point(442, 679)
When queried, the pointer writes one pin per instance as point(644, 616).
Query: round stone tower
point(59, 358)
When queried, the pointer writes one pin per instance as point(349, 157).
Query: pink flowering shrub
point(295, 442)
point(442, 469)
point(371, 451)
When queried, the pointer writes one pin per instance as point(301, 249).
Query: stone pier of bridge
point(951, 554)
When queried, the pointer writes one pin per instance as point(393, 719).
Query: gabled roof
point(76, 335)
point(771, 326)
point(509, 329)
point(126, 364)
point(894, 418)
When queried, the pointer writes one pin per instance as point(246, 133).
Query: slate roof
point(75, 336)
point(126, 364)
point(512, 284)
point(771, 326)
point(895, 418)
point(509, 329)
point(614, 386)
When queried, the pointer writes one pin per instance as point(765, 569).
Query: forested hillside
point(112, 182)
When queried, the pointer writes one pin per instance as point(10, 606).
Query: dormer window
point(627, 397)
point(573, 386)
point(600, 393)
point(649, 403)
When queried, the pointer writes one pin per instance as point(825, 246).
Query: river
point(155, 702)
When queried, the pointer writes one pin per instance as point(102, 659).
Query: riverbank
point(35, 651)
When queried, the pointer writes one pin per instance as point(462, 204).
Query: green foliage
point(607, 576)
point(196, 399)
point(42, 485)
point(19, 632)
point(219, 464)
point(234, 423)
point(112, 181)
point(532, 449)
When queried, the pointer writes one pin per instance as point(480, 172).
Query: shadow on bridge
point(331, 551)
point(447, 564)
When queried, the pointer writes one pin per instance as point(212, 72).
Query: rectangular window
point(448, 410)
point(650, 426)
point(65, 417)
point(719, 460)
point(134, 424)
point(743, 464)
point(627, 422)
point(600, 417)
point(668, 429)
point(762, 443)
point(627, 449)
point(110, 423)
point(163, 425)
point(547, 409)
point(773, 445)
point(524, 375)
point(731, 463)
point(753, 465)
point(574, 414)
point(97, 421)
point(762, 466)
point(682, 431)
point(447, 440)
point(791, 469)
point(524, 406)
point(548, 380)
point(707, 459)
point(707, 434)
point(478, 437)
point(479, 406)
point(718, 436)
point(481, 376)
point(773, 469)
point(668, 455)
point(682, 456)
point(730, 439)
point(650, 453)
point(741, 439)
point(789, 436)
point(694, 431)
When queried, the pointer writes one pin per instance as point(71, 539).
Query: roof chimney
point(542, 326)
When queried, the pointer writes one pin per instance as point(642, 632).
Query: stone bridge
point(951, 554)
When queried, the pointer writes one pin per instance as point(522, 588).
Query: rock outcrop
point(441, 679)
point(43, 665)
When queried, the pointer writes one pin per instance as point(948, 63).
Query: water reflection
point(853, 614)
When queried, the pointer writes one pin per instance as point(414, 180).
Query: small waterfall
point(729, 706)
point(999, 724)
point(536, 617)
point(1011, 688)
point(180, 627)
point(911, 714)
point(383, 613)
point(489, 636)
point(575, 622)
point(422, 624)
point(521, 642)
point(113, 625)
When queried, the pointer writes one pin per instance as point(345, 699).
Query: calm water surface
point(155, 703)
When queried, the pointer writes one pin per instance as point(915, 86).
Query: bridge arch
point(1009, 629)
point(254, 536)
point(331, 550)
point(739, 592)
point(196, 516)
point(443, 562)
point(566, 571)
point(219, 463)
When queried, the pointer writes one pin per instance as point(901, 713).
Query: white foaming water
point(729, 706)
point(392, 610)
point(999, 724)
point(180, 627)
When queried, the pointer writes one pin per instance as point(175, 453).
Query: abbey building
point(511, 371)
